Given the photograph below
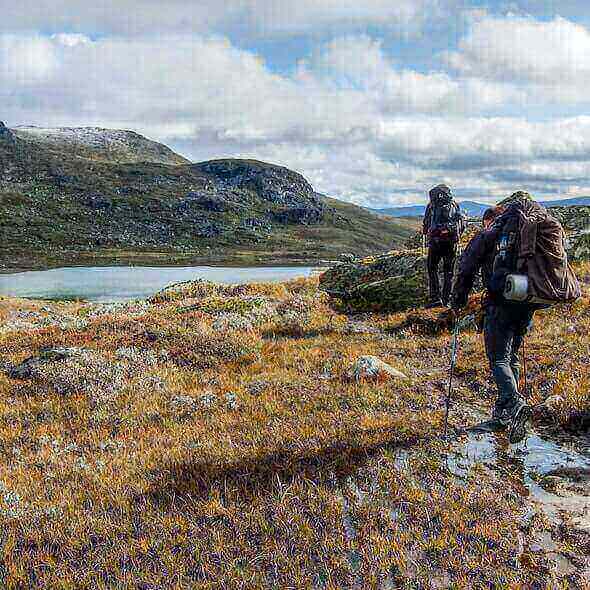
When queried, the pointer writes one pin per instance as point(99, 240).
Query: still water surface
point(124, 283)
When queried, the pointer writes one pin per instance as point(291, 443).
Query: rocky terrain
point(94, 197)
point(254, 436)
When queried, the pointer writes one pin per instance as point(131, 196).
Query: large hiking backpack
point(531, 263)
point(444, 226)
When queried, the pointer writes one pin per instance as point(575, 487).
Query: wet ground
point(553, 477)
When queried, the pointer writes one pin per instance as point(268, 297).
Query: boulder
point(580, 247)
point(392, 282)
point(373, 369)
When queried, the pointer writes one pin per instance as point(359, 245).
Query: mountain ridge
point(111, 145)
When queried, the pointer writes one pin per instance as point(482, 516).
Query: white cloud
point(349, 117)
point(198, 84)
point(474, 140)
point(310, 14)
point(522, 49)
point(132, 17)
point(360, 63)
point(26, 60)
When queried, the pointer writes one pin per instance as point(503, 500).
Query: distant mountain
point(409, 211)
point(577, 202)
point(473, 208)
point(88, 196)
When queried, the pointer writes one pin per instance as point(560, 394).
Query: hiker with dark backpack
point(443, 226)
point(524, 267)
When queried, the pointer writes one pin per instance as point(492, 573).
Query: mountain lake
point(126, 283)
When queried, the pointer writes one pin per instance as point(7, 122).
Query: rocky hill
point(81, 197)
point(110, 145)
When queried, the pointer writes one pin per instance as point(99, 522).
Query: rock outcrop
point(6, 135)
point(576, 222)
point(392, 282)
point(293, 198)
point(271, 183)
point(580, 247)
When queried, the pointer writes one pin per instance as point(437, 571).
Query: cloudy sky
point(373, 101)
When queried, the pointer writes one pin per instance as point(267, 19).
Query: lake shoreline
point(161, 260)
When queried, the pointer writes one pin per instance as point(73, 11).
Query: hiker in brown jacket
point(505, 323)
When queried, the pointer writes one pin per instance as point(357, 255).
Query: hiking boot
point(433, 304)
point(520, 423)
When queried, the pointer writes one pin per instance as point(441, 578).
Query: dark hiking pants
point(505, 327)
point(447, 253)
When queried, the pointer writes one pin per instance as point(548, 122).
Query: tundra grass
point(211, 438)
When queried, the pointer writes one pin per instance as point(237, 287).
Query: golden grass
point(212, 440)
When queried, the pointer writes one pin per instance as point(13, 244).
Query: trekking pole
point(525, 389)
point(462, 323)
point(454, 348)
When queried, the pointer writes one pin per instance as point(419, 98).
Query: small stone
point(231, 400)
point(373, 368)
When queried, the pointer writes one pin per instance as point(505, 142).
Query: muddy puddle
point(553, 474)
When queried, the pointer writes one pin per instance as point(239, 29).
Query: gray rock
point(373, 368)
point(299, 215)
point(206, 201)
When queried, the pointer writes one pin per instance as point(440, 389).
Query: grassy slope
point(244, 458)
point(45, 219)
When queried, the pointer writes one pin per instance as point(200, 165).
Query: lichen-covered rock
point(580, 247)
point(573, 219)
point(100, 376)
point(31, 367)
point(373, 368)
point(392, 282)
